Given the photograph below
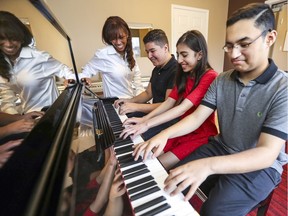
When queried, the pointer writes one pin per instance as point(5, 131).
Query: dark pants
point(232, 194)
point(155, 130)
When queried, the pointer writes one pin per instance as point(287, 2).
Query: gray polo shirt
point(244, 111)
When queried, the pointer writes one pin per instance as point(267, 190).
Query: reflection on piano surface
point(62, 153)
point(144, 181)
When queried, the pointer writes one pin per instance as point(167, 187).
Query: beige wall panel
point(83, 21)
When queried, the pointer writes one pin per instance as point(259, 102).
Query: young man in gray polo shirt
point(243, 163)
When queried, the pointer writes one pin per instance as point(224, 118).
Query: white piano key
point(178, 206)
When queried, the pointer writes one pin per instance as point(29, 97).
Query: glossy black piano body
point(34, 181)
point(31, 181)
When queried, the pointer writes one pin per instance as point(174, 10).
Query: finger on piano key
point(145, 180)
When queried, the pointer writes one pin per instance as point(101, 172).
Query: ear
point(271, 37)
point(166, 47)
point(199, 55)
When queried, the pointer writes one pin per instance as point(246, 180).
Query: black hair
point(110, 32)
point(11, 28)
point(196, 42)
point(262, 13)
point(157, 36)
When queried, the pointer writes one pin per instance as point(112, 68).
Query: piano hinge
point(99, 132)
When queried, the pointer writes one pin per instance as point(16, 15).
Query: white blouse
point(33, 78)
point(117, 78)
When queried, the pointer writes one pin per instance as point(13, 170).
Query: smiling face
point(10, 48)
point(157, 54)
point(187, 58)
point(120, 41)
point(251, 59)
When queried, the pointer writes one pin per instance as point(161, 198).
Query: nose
point(149, 54)
point(116, 41)
point(235, 52)
point(179, 59)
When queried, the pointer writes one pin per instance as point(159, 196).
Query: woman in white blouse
point(25, 71)
point(121, 76)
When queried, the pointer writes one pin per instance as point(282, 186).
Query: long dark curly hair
point(110, 32)
point(11, 28)
point(196, 42)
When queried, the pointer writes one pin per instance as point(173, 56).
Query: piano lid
point(47, 13)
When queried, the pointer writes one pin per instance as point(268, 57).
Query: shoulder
point(282, 75)
point(210, 74)
point(28, 52)
point(107, 50)
point(230, 74)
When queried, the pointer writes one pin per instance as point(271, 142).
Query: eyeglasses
point(241, 45)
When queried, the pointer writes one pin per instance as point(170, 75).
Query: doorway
point(187, 18)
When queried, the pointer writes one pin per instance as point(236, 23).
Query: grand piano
point(43, 176)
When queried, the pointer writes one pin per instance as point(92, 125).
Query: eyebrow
point(183, 52)
point(240, 40)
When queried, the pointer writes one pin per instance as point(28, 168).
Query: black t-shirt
point(163, 79)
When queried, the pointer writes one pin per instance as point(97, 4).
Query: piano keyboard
point(144, 180)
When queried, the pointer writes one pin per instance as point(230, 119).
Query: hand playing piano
point(133, 127)
point(118, 186)
point(120, 102)
point(86, 81)
point(116, 205)
point(6, 150)
point(155, 144)
point(190, 174)
point(128, 107)
point(33, 115)
point(20, 126)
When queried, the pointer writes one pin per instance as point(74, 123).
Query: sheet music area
point(43, 176)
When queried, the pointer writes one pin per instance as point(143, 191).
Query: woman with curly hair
point(116, 62)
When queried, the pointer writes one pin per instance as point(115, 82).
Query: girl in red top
point(192, 81)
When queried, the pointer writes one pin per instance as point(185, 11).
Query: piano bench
point(261, 207)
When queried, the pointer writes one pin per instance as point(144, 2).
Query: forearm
point(115, 207)
point(169, 115)
point(147, 108)
point(163, 107)
point(246, 161)
point(6, 118)
point(189, 123)
point(5, 131)
point(141, 98)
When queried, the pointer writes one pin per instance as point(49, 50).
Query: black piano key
point(124, 149)
point(134, 169)
point(122, 142)
point(138, 173)
point(145, 193)
point(139, 181)
point(149, 204)
point(117, 128)
point(130, 162)
point(124, 157)
point(157, 210)
point(142, 187)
